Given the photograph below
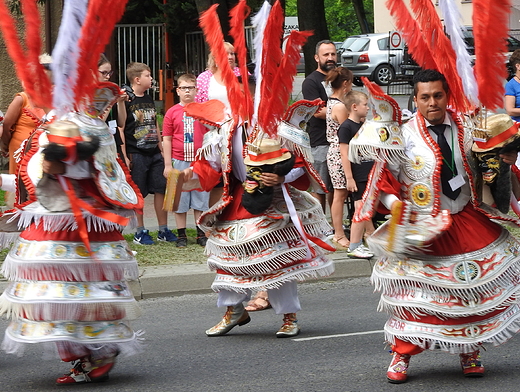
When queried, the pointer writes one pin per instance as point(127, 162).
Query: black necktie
point(448, 168)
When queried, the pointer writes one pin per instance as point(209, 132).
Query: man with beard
point(314, 87)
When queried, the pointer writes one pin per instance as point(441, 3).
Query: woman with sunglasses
point(115, 122)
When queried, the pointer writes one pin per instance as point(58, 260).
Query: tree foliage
point(341, 17)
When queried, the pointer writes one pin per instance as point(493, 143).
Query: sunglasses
point(106, 73)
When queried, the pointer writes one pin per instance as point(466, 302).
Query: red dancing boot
point(396, 373)
point(86, 370)
point(471, 364)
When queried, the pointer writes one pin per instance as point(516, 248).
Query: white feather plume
point(454, 28)
point(259, 22)
point(65, 55)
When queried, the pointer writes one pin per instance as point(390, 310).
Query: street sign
point(395, 40)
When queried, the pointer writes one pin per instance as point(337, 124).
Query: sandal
point(259, 302)
point(340, 243)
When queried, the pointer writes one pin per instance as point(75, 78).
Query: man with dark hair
point(314, 87)
point(454, 288)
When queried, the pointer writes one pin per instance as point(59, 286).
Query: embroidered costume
point(260, 237)
point(69, 267)
point(446, 270)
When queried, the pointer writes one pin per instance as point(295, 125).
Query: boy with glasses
point(182, 137)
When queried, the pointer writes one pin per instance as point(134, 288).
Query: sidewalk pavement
point(174, 280)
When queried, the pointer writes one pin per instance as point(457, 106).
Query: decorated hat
point(499, 130)
point(265, 152)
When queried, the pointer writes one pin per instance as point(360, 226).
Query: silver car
point(370, 55)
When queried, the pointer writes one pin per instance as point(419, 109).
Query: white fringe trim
point(240, 285)
point(500, 337)
point(67, 222)
point(68, 270)
point(73, 310)
point(125, 349)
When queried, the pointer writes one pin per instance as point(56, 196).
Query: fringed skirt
point(59, 293)
point(263, 251)
point(461, 292)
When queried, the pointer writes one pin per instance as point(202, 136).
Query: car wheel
point(383, 74)
point(357, 82)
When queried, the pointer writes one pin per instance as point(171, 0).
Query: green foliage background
point(340, 15)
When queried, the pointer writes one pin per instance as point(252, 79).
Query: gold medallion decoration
point(417, 163)
point(421, 195)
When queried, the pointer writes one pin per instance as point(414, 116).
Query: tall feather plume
point(283, 82)
point(40, 81)
point(238, 16)
point(271, 59)
point(259, 22)
point(490, 24)
point(28, 69)
point(454, 28)
point(65, 55)
point(95, 35)
point(440, 45)
point(210, 25)
point(412, 33)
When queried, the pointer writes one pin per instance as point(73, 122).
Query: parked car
point(512, 42)
point(345, 45)
point(370, 55)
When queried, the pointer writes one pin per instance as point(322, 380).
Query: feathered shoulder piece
point(379, 138)
point(211, 113)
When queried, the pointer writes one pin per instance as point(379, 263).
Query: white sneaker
point(361, 252)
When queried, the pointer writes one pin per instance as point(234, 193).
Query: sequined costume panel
point(262, 252)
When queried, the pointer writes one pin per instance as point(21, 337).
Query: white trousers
point(283, 299)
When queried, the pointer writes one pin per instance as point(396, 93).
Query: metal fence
point(144, 43)
point(197, 50)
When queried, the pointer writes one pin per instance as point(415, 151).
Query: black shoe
point(182, 242)
point(202, 241)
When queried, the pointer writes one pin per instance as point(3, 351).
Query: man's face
point(326, 57)
point(431, 100)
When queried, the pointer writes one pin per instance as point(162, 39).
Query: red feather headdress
point(28, 68)
point(490, 28)
point(95, 35)
point(238, 16)
point(210, 24)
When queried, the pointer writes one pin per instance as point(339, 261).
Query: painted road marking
point(340, 335)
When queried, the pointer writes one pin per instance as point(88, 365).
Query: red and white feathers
point(28, 68)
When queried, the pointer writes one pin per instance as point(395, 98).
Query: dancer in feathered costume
point(266, 232)
point(69, 267)
point(447, 271)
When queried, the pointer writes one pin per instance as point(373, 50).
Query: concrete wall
point(9, 84)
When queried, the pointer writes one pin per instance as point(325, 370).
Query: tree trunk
point(222, 10)
point(361, 16)
point(311, 16)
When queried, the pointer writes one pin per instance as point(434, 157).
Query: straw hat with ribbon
point(265, 152)
point(499, 129)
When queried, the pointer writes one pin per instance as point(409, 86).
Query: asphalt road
point(341, 348)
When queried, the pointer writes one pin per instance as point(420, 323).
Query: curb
point(176, 280)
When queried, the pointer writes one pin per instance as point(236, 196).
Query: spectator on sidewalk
point(182, 137)
point(142, 143)
point(210, 84)
point(356, 173)
point(114, 123)
point(313, 87)
point(340, 80)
